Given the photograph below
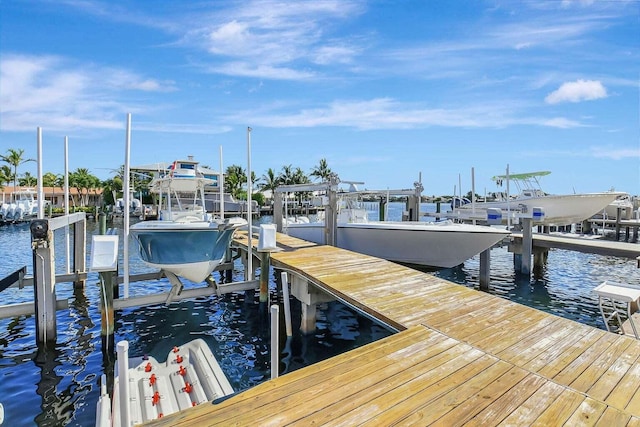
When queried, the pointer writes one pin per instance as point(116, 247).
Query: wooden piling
point(80, 249)
point(107, 317)
point(527, 244)
point(108, 289)
point(485, 269)
point(331, 214)
point(265, 262)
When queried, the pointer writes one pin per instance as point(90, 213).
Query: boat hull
point(558, 210)
point(189, 250)
point(418, 243)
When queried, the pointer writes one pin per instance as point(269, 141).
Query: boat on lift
point(558, 210)
point(185, 240)
point(23, 207)
point(441, 244)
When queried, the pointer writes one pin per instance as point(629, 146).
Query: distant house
point(55, 195)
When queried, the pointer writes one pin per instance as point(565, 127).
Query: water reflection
point(54, 408)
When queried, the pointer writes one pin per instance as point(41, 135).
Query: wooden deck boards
point(464, 358)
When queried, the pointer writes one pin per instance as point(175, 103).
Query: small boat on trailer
point(190, 376)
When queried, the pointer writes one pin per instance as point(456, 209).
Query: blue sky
point(384, 90)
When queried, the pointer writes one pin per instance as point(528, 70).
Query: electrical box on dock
point(267, 238)
point(104, 253)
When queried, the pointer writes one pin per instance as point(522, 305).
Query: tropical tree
point(110, 189)
point(269, 181)
point(235, 178)
point(6, 175)
point(286, 176)
point(83, 181)
point(299, 177)
point(50, 179)
point(322, 171)
point(15, 158)
point(27, 180)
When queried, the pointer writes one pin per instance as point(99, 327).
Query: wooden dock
point(582, 244)
point(461, 357)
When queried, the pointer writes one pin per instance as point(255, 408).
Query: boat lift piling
point(44, 277)
point(104, 260)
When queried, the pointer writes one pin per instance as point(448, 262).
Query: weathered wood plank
point(561, 409)
point(537, 340)
point(494, 361)
point(429, 412)
point(613, 417)
point(482, 398)
point(587, 414)
point(392, 390)
point(430, 392)
point(586, 356)
point(509, 402)
point(569, 354)
point(615, 373)
point(534, 406)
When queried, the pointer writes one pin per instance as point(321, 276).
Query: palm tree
point(15, 159)
point(110, 188)
point(270, 181)
point(6, 176)
point(235, 178)
point(299, 177)
point(321, 171)
point(286, 176)
point(49, 179)
point(82, 180)
point(27, 180)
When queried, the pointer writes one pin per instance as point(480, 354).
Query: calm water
point(60, 385)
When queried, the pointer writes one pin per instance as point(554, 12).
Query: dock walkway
point(461, 357)
point(582, 244)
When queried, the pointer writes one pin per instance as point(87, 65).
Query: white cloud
point(387, 113)
point(274, 40)
point(580, 90)
point(53, 93)
point(247, 69)
point(562, 123)
point(615, 153)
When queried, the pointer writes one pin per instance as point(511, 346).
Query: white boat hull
point(191, 250)
point(418, 243)
point(558, 210)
